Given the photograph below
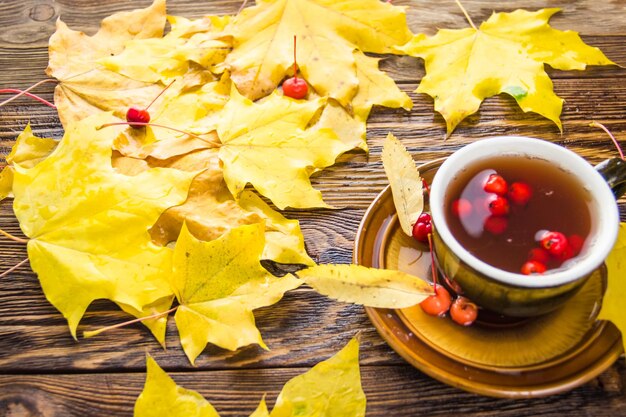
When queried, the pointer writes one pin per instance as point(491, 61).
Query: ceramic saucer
point(495, 356)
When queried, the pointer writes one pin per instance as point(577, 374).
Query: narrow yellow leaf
point(331, 388)
point(405, 181)
point(372, 287)
point(162, 397)
point(613, 301)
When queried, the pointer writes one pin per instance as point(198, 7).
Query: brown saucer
point(519, 359)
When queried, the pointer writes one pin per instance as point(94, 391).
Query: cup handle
point(614, 172)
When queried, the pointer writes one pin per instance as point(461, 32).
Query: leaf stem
point(126, 323)
point(15, 238)
point(13, 268)
point(47, 80)
point(467, 16)
point(295, 65)
point(159, 95)
point(433, 268)
point(153, 125)
point(608, 132)
point(27, 94)
point(243, 5)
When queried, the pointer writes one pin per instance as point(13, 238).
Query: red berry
point(554, 242)
point(135, 115)
point(533, 267)
point(496, 184)
point(499, 206)
point(424, 218)
point(437, 304)
point(463, 311)
point(461, 207)
point(576, 242)
point(421, 230)
point(539, 254)
point(295, 88)
point(496, 225)
point(520, 193)
point(567, 253)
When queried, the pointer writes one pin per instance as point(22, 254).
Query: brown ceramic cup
point(510, 293)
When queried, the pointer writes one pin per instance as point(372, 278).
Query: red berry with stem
point(554, 242)
point(496, 225)
point(134, 116)
point(533, 267)
point(496, 184)
point(422, 228)
point(295, 87)
point(437, 304)
point(463, 311)
point(520, 193)
point(461, 207)
point(499, 206)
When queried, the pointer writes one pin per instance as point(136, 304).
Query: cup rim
point(608, 225)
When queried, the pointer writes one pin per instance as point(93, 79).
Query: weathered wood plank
point(390, 390)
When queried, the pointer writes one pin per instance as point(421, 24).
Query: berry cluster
point(462, 310)
point(554, 249)
point(500, 196)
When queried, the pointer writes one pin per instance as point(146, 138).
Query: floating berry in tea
point(461, 207)
point(533, 267)
point(496, 225)
point(499, 206)
point(554, 242)
point(520, 193)
point(496, 184)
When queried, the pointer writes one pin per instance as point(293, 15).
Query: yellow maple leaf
point(268, 145)
point(375, 88)
point(162, 397)
point(88, 225)
point(405, 181)
point(327, 32)
point(86, 87)
point(373, 287)
point(218, 284)
point(613, 301)
point(506, 54)
point(332, 388)
point(165, 59)
point(27, 152)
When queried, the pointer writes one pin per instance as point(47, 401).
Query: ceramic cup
point(515, 294)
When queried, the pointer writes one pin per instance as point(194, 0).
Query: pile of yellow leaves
point(141, 216)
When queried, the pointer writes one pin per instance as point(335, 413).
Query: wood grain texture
point(44, 372)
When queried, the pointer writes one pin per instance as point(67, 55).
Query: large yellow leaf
point(373, 287)
point(162, 397)
point(86, 87)
point(506, 54)
point(165, 59)
point(332, 388)
point(405, 181)
point(27, 152)
point(218, 284)
point(327, 32)
point(267, 145)
point(88, 225)
point(613, 301)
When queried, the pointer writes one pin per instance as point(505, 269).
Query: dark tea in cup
point(502, 210)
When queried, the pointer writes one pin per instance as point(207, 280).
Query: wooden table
point(44, 372)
